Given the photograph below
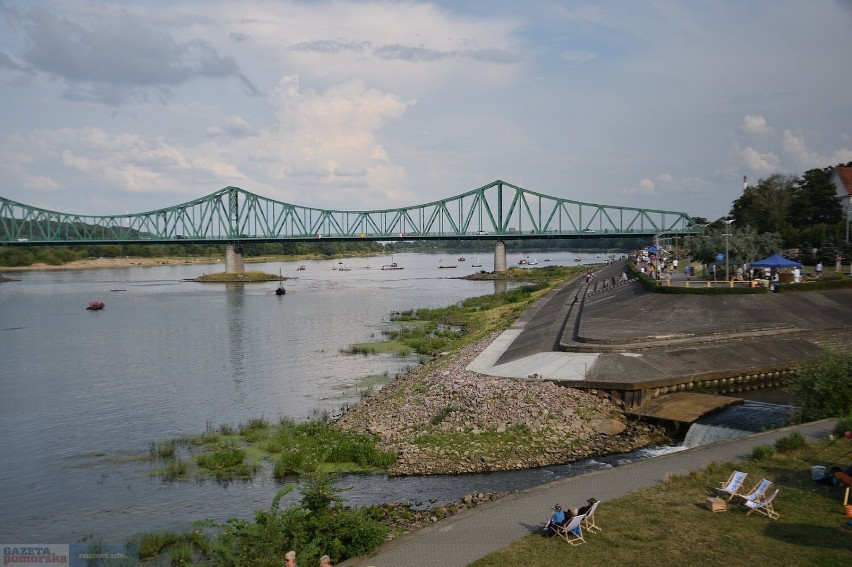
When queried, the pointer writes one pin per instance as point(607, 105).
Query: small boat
point(577, 259)
point(344, 268)
point(523, 262)
point(280, 289)
point(533, 262)
point(547, 259)
point(443, 266)
point(476, 263)
point(301, 268)
point(461, 259)
point(96, 306)
point(392, 266)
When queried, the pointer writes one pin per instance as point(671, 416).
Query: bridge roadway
point(625, 337)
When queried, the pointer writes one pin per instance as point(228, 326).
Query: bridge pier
point(500, 256)
point(234, 263)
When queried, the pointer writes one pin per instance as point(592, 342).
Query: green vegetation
point(433, 331)
point(798, 214)
point(669, 525)
point(319, 525)
point(230, 453)
point(57, 255)
point(244, 277)
point(315, 445)
point(823, 386)
point(657, 287)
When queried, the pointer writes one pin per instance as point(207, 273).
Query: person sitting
point(585, 509)
point(556, 521)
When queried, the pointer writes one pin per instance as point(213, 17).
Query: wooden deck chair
point(572, 532)
point(758, 492)
point(588, 522)
point(733, 485)
point(763, 506)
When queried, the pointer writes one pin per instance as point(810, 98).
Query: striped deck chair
point(758, 492)
point(588, 522)
point(572, 532)
point(763, 506)
point(733, 485)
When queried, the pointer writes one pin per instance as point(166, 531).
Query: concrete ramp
point(684, 407)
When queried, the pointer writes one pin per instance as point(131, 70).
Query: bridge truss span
point(498, 210)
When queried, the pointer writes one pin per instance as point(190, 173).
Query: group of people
point(290, 560)
point(561, 518)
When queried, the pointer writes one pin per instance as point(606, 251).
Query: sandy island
point(125, 262)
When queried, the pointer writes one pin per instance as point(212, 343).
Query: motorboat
point(95, 305)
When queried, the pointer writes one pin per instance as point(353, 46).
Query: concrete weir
point(621, 341)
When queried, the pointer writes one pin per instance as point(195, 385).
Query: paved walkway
point(461, 539)
point(624, 313)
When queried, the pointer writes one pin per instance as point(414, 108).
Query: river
point(84, 393)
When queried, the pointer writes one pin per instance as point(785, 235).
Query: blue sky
point(119, 106)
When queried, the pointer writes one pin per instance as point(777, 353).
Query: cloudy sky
point(132, 105)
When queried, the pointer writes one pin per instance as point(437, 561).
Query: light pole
point(727, 260)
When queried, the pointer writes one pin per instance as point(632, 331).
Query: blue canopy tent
point(775, 261)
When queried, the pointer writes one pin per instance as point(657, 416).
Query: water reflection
point(234, 315)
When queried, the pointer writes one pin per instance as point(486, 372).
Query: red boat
point(95, 306)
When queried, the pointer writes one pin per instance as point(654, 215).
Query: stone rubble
point(440, 418)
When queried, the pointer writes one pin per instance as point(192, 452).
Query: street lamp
point(727, 260)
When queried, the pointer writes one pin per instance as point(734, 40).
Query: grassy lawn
point(670, 525)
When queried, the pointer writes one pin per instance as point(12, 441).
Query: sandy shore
point(125, 262)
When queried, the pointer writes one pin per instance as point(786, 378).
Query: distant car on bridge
point(481, 232)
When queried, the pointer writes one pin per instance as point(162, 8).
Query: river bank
point(440, 418)
point(123, 262)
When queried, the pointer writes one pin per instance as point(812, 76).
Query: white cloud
point(755, 124)
point(759, 162)
point(668, 184)
point(647, 186)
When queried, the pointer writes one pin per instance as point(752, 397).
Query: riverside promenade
point(624, 337)
point(461, 539)
point(633, 345)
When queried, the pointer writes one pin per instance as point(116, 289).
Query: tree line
point(797, 214)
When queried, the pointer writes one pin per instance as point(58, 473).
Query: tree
point(813, 201)
point(744, 244)
point(766, 206)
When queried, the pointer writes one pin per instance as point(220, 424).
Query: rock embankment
point(443, 419)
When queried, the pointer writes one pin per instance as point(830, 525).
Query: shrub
point(762, 452)
point(790, 442)
point(823, 386)
point(843, 425)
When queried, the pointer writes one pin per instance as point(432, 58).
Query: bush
point(790, 442)
point(823, 386)
point(843, 425)
point(319, 525)
point(762, 452)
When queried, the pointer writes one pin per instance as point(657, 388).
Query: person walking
point(818, 270)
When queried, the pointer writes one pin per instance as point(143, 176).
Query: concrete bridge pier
point(500, 256)
point(234, 263)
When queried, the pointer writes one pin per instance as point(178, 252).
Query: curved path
point(461, 539)
point(686, 335)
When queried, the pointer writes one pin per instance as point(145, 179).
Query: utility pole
point(727, 259)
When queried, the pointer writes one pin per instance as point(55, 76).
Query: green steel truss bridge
point(498, 211)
